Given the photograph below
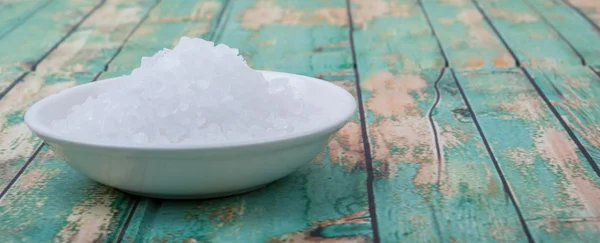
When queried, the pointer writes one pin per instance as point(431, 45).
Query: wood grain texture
point(420, 198)
point(50, 201)
point(575, 29)
point(395, 31)
point(14, 13)
point(534, 42)
point(556, 189)
point(575, 93)
point(324, 200)
point(467, 39)
point(588, 8)
point(23, 48)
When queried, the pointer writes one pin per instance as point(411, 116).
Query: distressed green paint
point(28, 43)
point(411, 205)
point(551, 179)
point(8, 75)
point(575, 93)
point(24, 46)
point(51, 202)
point(324, 200)
point(574, 27)
point(13, 13)
point(591, 8)
point(14, 118)
point(468, 41)
point(410, 45)
point(471, 203)
point(163, 28)
point(468, 202)
point(89, 48)
point(534, 42)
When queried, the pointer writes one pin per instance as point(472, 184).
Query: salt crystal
point(196, 93)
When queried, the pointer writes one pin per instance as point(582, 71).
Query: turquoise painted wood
point(410, 45)
point(575, 29)
point(533, 42)
point(420, 197)
point(554, 185)
point(17, 140)
point(575, 93)
point(22, 48)
point(587, 8)
point(427, 170)
point(51, 202)
point(467, 39)
point(14, 13)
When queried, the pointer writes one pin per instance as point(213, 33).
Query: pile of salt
point(196, 93)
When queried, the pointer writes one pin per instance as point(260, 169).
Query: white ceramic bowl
point(187, 171)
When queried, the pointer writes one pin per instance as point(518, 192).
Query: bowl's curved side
point(191, 173)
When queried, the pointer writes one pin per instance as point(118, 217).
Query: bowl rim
point(47, 133)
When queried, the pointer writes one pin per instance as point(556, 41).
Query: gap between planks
point(34, 66)
point(363, 128)
point(539, 91)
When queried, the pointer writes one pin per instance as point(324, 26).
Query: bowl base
point(195, 196)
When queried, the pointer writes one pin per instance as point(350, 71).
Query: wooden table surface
point(478, 120)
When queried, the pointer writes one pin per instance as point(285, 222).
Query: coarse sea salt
point(196, 93)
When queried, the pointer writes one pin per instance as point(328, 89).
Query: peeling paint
point(89, 220)
point(267, 12)
point(558, 149)
point(513, 17)
point(203, 11)
point(391, 93)
point(525, 106)
point(346, 148)
point(367, 10)
point(357, 218)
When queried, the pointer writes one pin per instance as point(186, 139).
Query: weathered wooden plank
point(7, 77)
point(420, 197)
point(554, 185)
point(469, 42)
point(51, 202)
point(533, 42)
point(397, 25)
point(575, 93)
point(575, 29)
point(25, 46)
point(325, 200)
point(163, 29)
point(13, 13)
point(589, 9)
point(596, 69)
